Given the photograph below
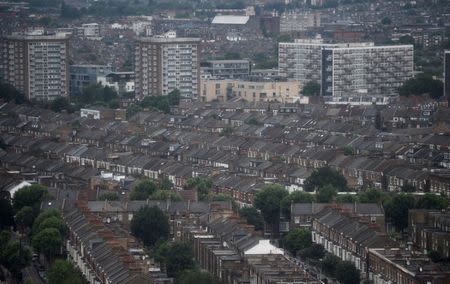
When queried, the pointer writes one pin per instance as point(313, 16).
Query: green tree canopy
point(97, 94)
point(347, 273)
point(201, 184)
point(397, 208)
point(9, 93)
point(371, 196)
point(179, 258)
point(326, 193)
point(54, 222)
point(325, 176)
point(432, 201)
point(311, 88)
point(111, 196)
point(15, 257)
point(6, 214)
point(143, 190)
point(268, 200)
point(195, 277)
point(31, 196)
point(346, 198)
point(25, 217)
point(422, 84)
point(253, 217)
point(44, 215)
point(48, 241)
point(297, 239)
point(329, 264)
point(315, 251)
point(61, 103)
point(150, 224)
point(63, 272)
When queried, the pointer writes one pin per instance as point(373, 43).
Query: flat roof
point(230, 20)
point(169, 40)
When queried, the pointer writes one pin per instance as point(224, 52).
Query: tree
point(311, 88)
point(174, 97)
point(62, 272)
point(325, 176)
point(9, 93)
point(253, 217)
point(44, 215)
point(31, 196)
point(166, 184)
point(179, 257)
point(143, 190)
point(165, 195)
point(201, 184)
point(397, 209)
point(54, 222)
point(48, 241)
point(386, 21)
point(15, 257)
point(348, 150)
point(59, 104)
point(195, 277)
point(371, 196)
point(422, 84)
point(268, 200)
point(329, 264)
point(315, 251)
point(150, 224)
point(5, 237)
point(347, 273)
point(111, 196)
point(69, 12)
point(297, 239)
point(326, 194)
point(25, 217)
point(346, 198)
point(432, 201)
point(6, 214)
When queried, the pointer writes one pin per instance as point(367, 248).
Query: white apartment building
point(163, 64)
point(355, 73)
point(365, 74)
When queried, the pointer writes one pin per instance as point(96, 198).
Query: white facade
point(298, 22)
point(91, 30)
point(93, 113)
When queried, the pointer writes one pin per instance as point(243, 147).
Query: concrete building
point(82, 76)
point(350, 73)
point(90, 30)
point(447, 74)
point(228, 68)
point(298, 22)
point(302, 60)
point(365, 74)
point(36, 64)
point(252, 91)
point(163, 64)
point(121, 82)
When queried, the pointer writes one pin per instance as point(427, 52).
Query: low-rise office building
point(252, 91)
